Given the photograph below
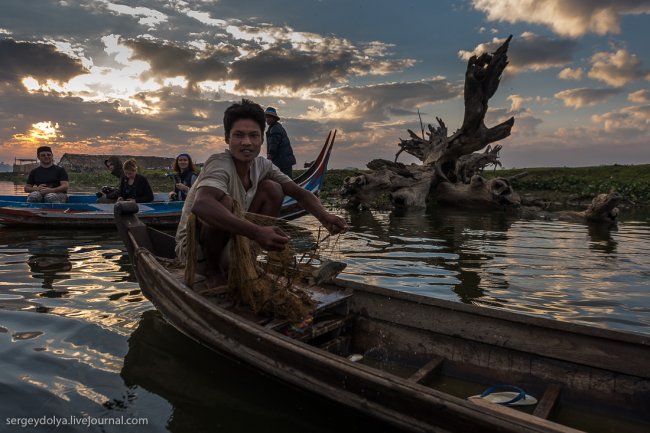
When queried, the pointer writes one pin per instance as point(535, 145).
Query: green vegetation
point(556, 184)
point(91, 182)
point(560, 184)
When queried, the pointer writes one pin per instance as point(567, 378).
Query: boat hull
point(605, 371)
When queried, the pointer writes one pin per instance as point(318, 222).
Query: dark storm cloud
point(530, 52)
point(380, 102)
point(168, 60)
point(541, 52)
point(25, 18)
point(315, 65)
point(41, 61)
point(279, 66)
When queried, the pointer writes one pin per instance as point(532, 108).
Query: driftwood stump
point(451, 165)
point(602, 210)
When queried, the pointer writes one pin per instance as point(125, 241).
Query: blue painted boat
point(83, 211)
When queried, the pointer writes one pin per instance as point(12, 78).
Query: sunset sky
point(153, 77)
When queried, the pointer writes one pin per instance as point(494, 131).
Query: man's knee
point(54, 197)
point(35, 197)
point(271, 190)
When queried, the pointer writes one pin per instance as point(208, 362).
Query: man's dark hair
point(245, 109)
point(43, 149)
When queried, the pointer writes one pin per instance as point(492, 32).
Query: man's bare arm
point(210, 210)
point(312, 204)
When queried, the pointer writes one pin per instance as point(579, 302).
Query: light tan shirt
point(219, 172)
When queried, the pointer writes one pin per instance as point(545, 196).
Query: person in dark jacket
point(48, 182)
point(184, 177)
point(134, 187)
point(109, 194)
point(278, 146)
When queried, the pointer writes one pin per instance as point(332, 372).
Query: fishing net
point(273, 283)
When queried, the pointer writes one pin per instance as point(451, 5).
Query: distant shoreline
point(558, 185)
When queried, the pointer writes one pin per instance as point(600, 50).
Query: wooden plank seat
point(427, 370)
point(548, 400)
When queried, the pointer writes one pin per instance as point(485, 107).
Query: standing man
point(240, 175)
point(278, 146)
point(48, 182)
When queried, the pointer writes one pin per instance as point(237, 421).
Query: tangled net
point(276, 285)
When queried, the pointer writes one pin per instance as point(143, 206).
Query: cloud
point(147, 17)
point(380, 102)
point(170, 60)
point(573, 18)
point(517, 101)
point(529, 52)
point(618, 137)
point(585, 97)
point(182, 123)
point(617, 69)
point(571, 74)
point(40, 61)
point(641, 96)
point(525, 121)
point(627, 118)
point(311, 63)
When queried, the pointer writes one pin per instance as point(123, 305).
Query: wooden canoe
point(414, 350)
point(82, 211)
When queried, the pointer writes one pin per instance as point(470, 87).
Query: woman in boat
point(184, 177)
point(133, 186)
point(109, 194)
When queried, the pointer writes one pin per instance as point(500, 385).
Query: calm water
point(77, 337)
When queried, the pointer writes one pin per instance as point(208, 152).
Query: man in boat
point(278, 146)
point(48, 182)
point(240, 175)
point(109, 194)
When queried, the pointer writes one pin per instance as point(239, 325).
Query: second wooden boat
point(82, 211)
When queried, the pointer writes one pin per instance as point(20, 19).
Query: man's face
point(245, 140)
point(270, 120)
point(45, 158)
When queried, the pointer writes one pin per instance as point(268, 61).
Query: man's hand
point(270, 238)
point(334, 224)
point(44, 189)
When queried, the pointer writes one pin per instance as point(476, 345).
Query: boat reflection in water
point(212, 393)
point(51, 262)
